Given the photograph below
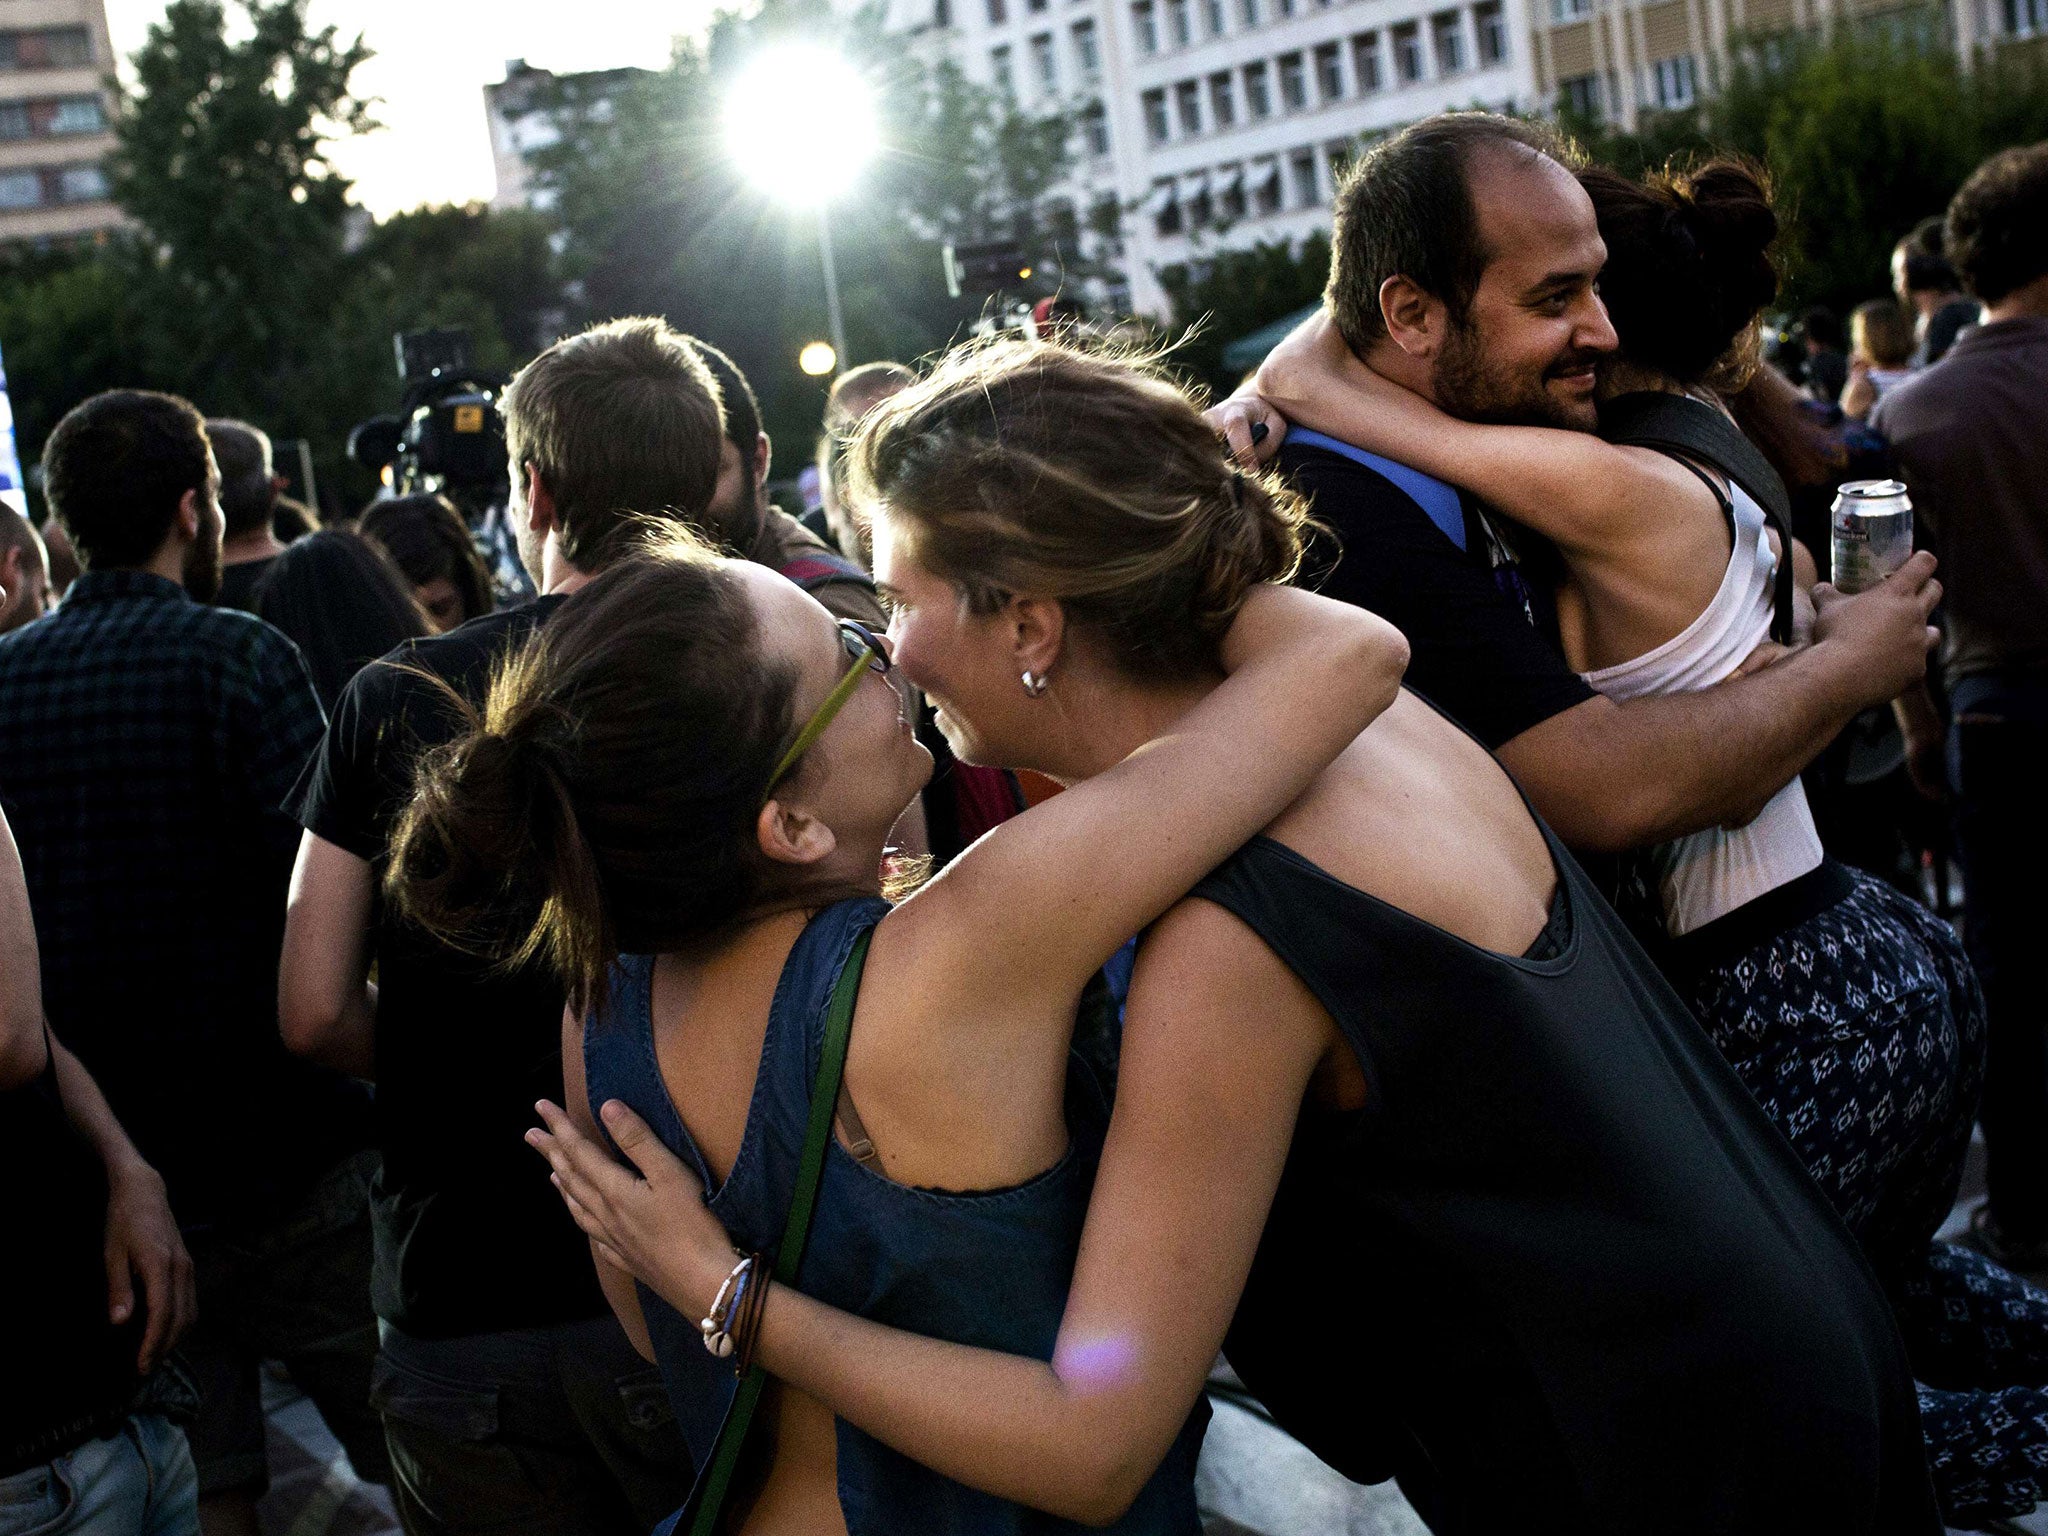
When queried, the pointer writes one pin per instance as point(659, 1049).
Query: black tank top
point(1559, 1274)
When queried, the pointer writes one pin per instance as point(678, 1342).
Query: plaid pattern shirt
point(147, 744)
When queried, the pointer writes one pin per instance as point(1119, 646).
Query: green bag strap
point(796, 1231)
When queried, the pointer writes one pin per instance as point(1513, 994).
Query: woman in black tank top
point(1532, 1249)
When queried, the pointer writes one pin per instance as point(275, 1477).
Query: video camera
point(448, 435)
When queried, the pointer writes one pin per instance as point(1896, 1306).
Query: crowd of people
point(833, 1025)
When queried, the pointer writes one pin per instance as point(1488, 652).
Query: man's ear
point(540, 502)
point(764, 456)
point(188, 522)
point(1038, 633)
point(790, 835)
point(1417, 320)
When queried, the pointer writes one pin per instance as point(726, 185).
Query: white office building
point(1222, 123)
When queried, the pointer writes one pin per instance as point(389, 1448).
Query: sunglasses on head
point(869, 655)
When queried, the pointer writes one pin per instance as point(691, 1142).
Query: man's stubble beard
point(1469, 387)
point(203, 564)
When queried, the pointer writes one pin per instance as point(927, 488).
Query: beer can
point(1872, 525)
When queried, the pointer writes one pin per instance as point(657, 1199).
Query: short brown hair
point(621, 422)
point(1882, 331)
point(115, 469)
point(1042, 468)
point(1405, 210)
point(1998, 223)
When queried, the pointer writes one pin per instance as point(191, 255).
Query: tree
point(1233, 293)
point(218, 160)
point(1865, 131)
point(655, 220)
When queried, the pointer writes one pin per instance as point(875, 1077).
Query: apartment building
point(520, 127)
point(1221, 123)
point(56, 117)
point(1617, 59)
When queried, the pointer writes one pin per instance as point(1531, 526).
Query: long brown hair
point(1043, 468)
point(603, 799)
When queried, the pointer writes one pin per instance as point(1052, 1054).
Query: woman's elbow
point(1104, 1484)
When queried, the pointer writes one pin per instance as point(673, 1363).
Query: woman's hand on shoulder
point(649, 1220)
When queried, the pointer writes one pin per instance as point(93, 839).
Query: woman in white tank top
point(1848, 1009)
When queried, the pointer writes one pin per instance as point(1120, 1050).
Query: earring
point(1034, 685)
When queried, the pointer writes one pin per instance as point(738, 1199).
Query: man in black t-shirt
point(497, 1339)
point(1464, 268)
point(248, 497)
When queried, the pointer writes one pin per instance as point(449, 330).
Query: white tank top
point(1711, 873)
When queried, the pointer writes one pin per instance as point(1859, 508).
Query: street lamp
point(800, 124)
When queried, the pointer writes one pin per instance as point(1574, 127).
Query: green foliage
point(655, 220)
point(250, 285)
point(1865, 132)
point(1234, 293)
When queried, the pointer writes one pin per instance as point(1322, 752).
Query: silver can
point(1873, 532)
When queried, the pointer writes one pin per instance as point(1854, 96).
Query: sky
point(434, 59)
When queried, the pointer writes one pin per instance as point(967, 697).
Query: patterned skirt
point(1861, 1033)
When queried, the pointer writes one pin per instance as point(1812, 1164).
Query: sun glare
point(800, 123)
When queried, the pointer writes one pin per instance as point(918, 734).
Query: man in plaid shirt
point(147, 743)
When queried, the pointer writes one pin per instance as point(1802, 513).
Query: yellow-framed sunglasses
point(869, 655)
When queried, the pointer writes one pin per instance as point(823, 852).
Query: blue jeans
point(137, 1481)
point(1999, 750)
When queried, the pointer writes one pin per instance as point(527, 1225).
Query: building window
point(942, 13)
point(1365, 62)
point(1187, 106)
point(1407, 52)
point(1212, 13)
point(14, 120)
point(998, 12)
point(1248, 13)
point(1449, 38)
point(1157, 129)
point(2025, 18)
point(1258, 92)
point(1330, 72)
point(45, 48)
point(1266, 188)
point(1086, 54)
point(1303, 164)
point(1231, 204)
point(1095, 129)
point(1286, 8)
point(1222, 101)
point(81, 184)
point(74, 114)
point(1580, 96)
point(999, 69)
point(1178, 31)
point(1570, 10)
point(1201, 210)
point(1044, 64)
point(1036, 7)
point(1293, 83)
point(1166, 217)
point(1146, 23)
point(1492, 28)
point(20, 189)
point(1675, 82)
point(1340, 155)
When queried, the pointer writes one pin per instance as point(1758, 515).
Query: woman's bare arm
point(1204, 1116)
point(1035, 907)
point(22, 1053)
point(1587, 495)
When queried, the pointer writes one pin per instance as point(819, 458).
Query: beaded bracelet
point(716, 1325)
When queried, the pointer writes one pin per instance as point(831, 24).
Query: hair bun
point(1255, 536)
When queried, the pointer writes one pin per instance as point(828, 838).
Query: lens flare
point(800, 123)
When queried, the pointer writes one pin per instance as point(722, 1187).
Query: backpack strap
point(1681, 426)
point(1440, 503)
point(732, 1434)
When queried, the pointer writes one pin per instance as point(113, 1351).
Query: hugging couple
point(1404, 1120)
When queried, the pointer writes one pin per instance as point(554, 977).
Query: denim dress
point(989, 1268)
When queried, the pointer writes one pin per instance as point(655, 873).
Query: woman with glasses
point(1401, 1108)
point(681, 794)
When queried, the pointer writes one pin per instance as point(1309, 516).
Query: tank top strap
point(619, 1060)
